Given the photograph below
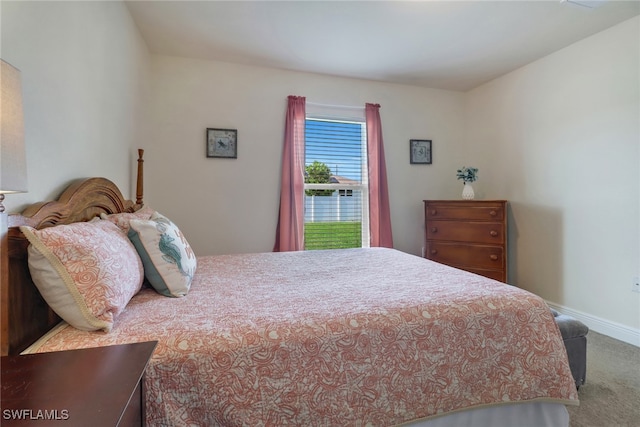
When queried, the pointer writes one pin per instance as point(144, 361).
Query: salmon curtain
point(379, 207)
point(290, 229)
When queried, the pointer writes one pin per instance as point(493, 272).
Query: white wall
point(226, 205)
point(83, 70)
point(560, 139)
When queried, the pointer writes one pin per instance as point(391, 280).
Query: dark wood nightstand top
point(88, 387)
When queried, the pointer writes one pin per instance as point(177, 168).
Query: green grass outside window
point(332, 235)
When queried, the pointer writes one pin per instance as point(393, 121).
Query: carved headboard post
point(140, 180)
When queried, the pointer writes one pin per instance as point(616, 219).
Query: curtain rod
point(316, 104)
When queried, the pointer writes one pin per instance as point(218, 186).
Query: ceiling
point(454, 45)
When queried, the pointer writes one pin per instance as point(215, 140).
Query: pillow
point(169, 263)
point(122, 219)
point(86, 271)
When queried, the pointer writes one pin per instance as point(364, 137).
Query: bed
point(355, 337)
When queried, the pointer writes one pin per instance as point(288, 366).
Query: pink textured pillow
point(122, 219)
point(87, 271)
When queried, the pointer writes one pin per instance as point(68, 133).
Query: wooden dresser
point(468, 234)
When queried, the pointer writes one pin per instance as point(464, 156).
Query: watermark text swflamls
point(36, 414)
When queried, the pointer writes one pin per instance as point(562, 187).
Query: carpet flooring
point(611, 395)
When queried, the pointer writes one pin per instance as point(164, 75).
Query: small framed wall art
point(222, 143)
point(420, 151)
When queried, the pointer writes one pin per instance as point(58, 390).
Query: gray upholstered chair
point(574, 333)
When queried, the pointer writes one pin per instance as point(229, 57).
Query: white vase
point(467, 191)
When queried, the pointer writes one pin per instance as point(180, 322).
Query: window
point(336, 187)
point(372, 188)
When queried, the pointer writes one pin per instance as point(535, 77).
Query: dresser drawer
point(469, 211)
point(498, 275)
point(478, 232)
point(466, 256)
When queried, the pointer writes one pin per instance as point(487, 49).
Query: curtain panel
point(379, 207)
point(290, 229)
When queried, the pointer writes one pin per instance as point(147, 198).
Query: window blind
point(336, 195)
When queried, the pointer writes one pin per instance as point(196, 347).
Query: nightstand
point(93, 387)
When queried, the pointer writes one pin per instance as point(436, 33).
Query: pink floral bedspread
point(348, 337)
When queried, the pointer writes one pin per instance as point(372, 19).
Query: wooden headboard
point(25, 314)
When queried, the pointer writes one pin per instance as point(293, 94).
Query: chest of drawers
point(468, 234)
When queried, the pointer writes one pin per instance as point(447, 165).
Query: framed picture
point(420, 151)
point(222, 143)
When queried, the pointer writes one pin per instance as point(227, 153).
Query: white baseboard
point(602, 326)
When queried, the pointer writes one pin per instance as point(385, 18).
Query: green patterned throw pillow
point(168, 260)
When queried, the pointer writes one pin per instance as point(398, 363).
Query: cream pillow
point(169, 263)
point(86, 271)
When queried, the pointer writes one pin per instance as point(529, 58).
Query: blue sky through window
point(337, 144)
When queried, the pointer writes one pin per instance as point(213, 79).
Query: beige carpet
point(611, 395)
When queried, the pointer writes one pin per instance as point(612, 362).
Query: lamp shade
point(13, 167)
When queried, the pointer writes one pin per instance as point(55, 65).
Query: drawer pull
point(493, 233)
point(434, 229)
point(493, 213)
point(494, 257)
point(434, 212)
point(434, 251)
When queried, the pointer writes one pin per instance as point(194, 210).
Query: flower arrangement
point(467, 174)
